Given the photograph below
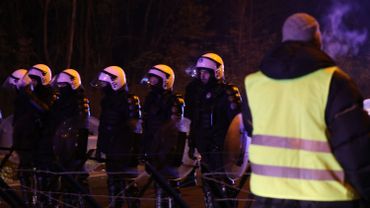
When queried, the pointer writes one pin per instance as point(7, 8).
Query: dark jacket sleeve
point(246, 112)
point(349, 132)
point(233, 101)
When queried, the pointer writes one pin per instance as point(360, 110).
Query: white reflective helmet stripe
point(105, 77)
point(206, 63)
point(36, 72)
point(64, 78)
point(159, 73)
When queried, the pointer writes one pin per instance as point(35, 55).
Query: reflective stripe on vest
point(291, 143)
point(290, 153)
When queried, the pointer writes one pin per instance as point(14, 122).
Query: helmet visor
point(152, 80)
point(61, 80)
point(102, 80)
point(192, 71)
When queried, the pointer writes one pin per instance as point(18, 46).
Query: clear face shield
point(152, 80)
point(102, 80)
point(145, 80)
point(192, 71)
point(61, 80)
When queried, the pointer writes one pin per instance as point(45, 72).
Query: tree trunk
point(71, 34)
point(45, 40)
point(145, 26)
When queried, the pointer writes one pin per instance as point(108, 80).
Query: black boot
point(133, 191)
point(26, 183)
point(41, 198)
point(209, 198)
point(116, 191)
point(78, 199)
point(47, 185)
point(176, 186)
point(232, 194)
point(228, 196)
point(159, 195)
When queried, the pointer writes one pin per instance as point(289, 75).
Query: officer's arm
point(40, 105)
point(234, 101)
point(247, 116)
point(177, 109)
point(134, 113)
point(349, 130)
point(84, 107)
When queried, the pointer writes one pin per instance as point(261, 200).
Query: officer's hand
point(191, 153)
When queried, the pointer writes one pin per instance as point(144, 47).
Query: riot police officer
point(118, 129)
point(38, 97)
point(68, 127)
point(163, 142)
point(213, 105)
point(23, 131)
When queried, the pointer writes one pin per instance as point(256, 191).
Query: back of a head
point(301, 27)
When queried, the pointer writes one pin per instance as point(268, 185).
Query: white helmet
point(114, 75)
point(165, 73)
point(366, 103)
point(70, 77)
point(212, 62)
point(16, 79)
point(42, 71)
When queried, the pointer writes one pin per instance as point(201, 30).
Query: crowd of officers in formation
point(310, 135)
point(51, 128)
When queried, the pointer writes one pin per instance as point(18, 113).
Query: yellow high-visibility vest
point(290, 153)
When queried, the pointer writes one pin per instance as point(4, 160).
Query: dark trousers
point(26, 175)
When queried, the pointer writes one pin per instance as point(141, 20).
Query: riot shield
point(236, 149)
point(6, 132)
point(170, 150)
point(70, 140)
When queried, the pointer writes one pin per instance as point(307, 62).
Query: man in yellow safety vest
point(310, 135)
